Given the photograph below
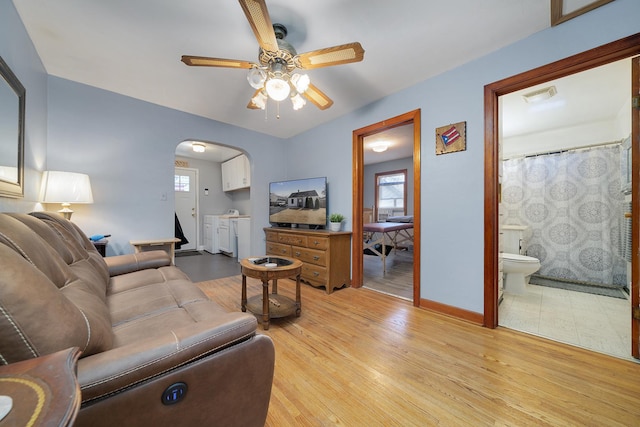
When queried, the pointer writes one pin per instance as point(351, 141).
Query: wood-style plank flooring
point(398, 278)
point(359, 358)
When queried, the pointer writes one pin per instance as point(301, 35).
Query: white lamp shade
point(301, 82)
point(298, 101)
point(260, 100)
point(277, 88)
point(65, 187)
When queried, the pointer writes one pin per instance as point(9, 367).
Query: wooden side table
point(44, 390)
point(168, 245)
point(101, 246)
point(271, 305)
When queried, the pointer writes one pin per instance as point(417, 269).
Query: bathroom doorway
point(615, 51)
point(561, 181)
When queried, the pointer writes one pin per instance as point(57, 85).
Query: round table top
point(263, 268)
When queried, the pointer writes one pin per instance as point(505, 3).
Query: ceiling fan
point(274, 76)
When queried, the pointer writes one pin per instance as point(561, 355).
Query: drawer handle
point(315, 273)
point(284, 251)
point(316, 243)
point(297, 253)
point(315, 258)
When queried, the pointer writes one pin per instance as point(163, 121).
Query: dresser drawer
point(309, 255)
point(314, 274)
point(278, 249)
point(271, 236)
point(292, 239)
point(315, 242)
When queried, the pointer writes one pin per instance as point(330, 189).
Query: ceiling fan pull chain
point(278, 110)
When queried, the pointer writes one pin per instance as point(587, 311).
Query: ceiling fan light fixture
point(260, 100)
point(298, 101)
point(277, 88)
point(256, 78)
point(198, 147)
point(300, 82)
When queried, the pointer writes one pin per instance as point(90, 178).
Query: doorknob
point(193, 212)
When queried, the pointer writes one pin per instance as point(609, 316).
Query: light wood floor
point(358, 358)
point(397, 280)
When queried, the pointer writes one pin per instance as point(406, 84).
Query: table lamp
point(65, 188)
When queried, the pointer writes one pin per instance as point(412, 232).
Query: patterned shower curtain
point(573, 205)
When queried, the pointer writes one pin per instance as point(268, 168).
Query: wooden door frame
point(614, 51)
point(412, 117)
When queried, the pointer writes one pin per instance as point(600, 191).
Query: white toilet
point(516, 267)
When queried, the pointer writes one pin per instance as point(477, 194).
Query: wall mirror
point(12, 99)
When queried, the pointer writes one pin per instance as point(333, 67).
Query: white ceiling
point(133, 47)
point(591, 96)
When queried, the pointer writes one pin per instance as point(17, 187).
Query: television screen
point(298, 201)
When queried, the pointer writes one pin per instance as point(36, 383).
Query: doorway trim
point(357, 272)
point(614, 51)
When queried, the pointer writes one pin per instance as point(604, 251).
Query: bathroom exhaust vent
point(539, 95)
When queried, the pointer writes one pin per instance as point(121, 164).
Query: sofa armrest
point(122, 264)
point(123, 367)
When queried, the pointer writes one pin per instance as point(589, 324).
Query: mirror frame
point(11, 189)
point(558, 16)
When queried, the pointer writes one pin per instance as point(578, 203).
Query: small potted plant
point(335, 221)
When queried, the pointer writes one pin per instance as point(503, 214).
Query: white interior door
point(186, 199)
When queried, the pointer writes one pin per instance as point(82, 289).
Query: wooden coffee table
point(270, 268)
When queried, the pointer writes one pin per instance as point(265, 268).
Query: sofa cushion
point(76, 242)
point(38, 289)
point(37, 318)
point(81, 264)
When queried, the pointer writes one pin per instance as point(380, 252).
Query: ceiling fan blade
point(317, 97)
point(205, 61)
point(258, 16)
point(343, 54)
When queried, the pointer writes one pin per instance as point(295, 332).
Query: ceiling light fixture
point(198, 147)
point(380, 147)
point(540, 95)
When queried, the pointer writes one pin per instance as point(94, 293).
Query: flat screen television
point(300, 202)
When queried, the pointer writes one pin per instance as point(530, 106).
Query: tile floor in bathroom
point(594, 322)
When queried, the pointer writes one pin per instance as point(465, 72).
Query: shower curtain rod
point(580, 148)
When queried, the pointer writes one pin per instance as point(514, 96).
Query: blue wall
point(20, 55)
point(128, 146)
point(452, 241)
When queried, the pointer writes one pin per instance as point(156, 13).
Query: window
point(391, 194)
point(181, 183)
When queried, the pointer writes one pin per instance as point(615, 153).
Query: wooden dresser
point(326, 255)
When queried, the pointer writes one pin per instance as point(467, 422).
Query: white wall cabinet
point(236, 173)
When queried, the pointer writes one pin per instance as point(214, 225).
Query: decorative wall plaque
point(451, 138)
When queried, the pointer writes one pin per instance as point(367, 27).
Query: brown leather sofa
point(155, 350)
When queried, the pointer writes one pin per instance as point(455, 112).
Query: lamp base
point(66, 211)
